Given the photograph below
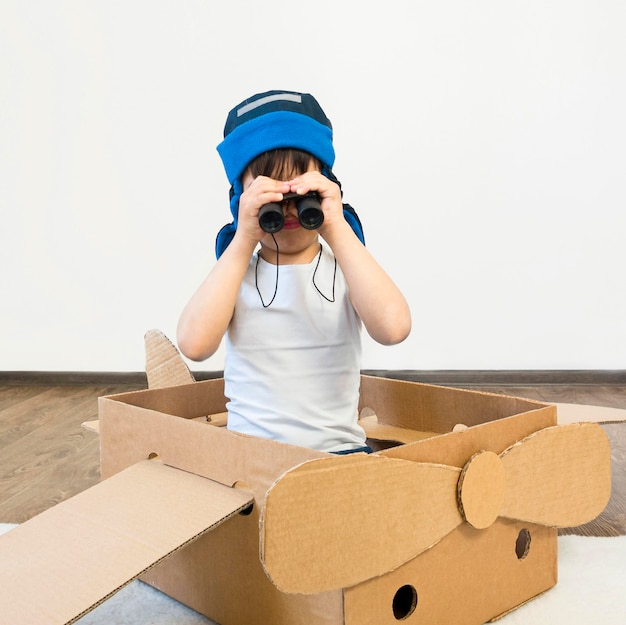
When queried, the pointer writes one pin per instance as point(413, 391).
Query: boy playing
point(291, 311)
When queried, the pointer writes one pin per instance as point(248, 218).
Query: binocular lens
point(271, 218)
point(310, 213)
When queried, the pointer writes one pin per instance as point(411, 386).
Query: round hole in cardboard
point(153, 456)
point(404, 602)
point(522, 544)
point(248, 510)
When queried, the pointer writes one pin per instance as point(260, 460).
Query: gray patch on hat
point(277, 97)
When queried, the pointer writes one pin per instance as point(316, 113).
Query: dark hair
point(282, 163)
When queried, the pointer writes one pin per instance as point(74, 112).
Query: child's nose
point(287, 204)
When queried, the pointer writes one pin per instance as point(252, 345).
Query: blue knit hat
point(267, 121)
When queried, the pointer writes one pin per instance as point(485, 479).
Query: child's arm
point(377, 300)
point(205, 319)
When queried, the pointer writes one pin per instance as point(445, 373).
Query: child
point(291, 311)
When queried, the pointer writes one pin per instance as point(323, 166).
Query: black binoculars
point(310, 215)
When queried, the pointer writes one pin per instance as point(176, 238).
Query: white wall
point(483, 144)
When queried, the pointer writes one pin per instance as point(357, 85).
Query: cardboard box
point(387, 573)
point(445, 527)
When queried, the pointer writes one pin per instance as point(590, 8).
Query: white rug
point(591, 589)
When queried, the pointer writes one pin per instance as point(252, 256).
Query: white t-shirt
point(292, 370)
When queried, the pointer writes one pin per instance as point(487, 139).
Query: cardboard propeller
point(559, 476)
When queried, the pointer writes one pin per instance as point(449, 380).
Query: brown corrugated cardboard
point(213, 577)
point(62, 563)
point(555, 477)
point(470, 577)
point(164, 365)
point(558, 476)
point(575, 413)
point(487, 571)
point(325, 509)
point(375, 539)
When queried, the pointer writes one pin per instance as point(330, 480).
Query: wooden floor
point(46, 456)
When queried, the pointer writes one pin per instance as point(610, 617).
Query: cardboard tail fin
point(164, 364)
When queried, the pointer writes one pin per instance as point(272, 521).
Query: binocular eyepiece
point(310, 215)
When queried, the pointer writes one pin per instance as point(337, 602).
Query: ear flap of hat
point(355, 223)
point(348, 212)
point(227, 232)
point(224, 237)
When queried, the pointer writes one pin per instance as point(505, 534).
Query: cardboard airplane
point(452, 520)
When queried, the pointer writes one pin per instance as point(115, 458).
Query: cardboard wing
point(64, 562)
point(558, 476)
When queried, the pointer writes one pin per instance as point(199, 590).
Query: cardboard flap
point(323, 520)
point(559, 476)
point(64, 562)
point(574, 413)
point(382, 432)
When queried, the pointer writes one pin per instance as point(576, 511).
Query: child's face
point(295, 243)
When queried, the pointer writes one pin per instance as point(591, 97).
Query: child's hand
point(257, 192)
point(330, 195)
